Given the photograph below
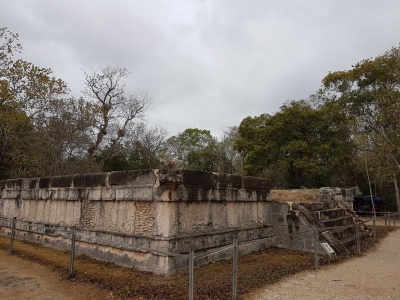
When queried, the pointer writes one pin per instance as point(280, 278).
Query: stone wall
point(162, 212)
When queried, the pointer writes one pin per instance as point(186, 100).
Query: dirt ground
point(36, 272)
point(24, 279)
point(375, 275)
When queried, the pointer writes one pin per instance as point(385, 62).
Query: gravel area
point(374, 275)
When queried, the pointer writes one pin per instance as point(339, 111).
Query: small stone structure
point(158, 212)
point(161, 214)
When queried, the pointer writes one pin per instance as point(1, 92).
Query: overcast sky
point(206, 64)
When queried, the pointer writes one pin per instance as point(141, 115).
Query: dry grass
point(301, 195)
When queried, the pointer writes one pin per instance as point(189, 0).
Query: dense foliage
point(298, 146)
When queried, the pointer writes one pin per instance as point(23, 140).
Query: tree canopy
point(298, 146)
point(370, 95)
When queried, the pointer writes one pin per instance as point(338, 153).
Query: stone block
point(192, 193)
point(14, 183)
point(264, 213)
point(53, 212)
point(69, 213)
point(222, 181)
point(144, 192)
point(61, 181)
point(44, 182)
point(254, 183)
point(279, 219)
point(40, 211)
point(94, 193)
point(61, 212)
point(108, 193)
point(165, 219)
point(194, 217)
point(144, 218)
point(131, 177)
point(33, 183)
point(236, 181)
point(232, 211)
point(247, 215)
point(280, 207)
point(203, 179)
point(126, 217)
point(170, 172)
point(219, 215)
point(2, 184)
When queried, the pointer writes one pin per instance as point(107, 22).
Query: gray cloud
point(206, 64)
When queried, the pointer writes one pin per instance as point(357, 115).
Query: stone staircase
point(332, 216)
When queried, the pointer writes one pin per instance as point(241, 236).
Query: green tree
point(298, 146)
point(196, 147)
point(370, 95)
point(41, 130)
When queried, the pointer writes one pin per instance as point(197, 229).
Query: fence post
point(315, 247)
point(71, 261)
point(191, 273)
point(389, 217)
point(374, 225)
point(386, 229)
point(235, 267)
point(14, 220)
point(394, 220)
point(358, 238)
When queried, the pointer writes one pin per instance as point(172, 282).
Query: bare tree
point(113, 110)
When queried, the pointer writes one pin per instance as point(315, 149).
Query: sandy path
point(22, 279)
point(375, 275)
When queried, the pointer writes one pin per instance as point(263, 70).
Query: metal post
point(191, 273)
point(71, 261)
point(235, 267)
point(315, 247)
point(358, 239)
point(389, 217)
point(374, 225)
point(386, 229)
point(14, 220)
point(394, 221)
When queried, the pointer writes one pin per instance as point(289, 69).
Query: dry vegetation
point(211, 282)
point(301, 195)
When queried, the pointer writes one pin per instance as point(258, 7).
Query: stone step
point(336, 222)
point(342, 234)
point(331, 213)
point(314, 206)
point(337, 245)
point(352, 239)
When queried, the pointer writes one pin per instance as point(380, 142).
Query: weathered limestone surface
point(169, 210)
